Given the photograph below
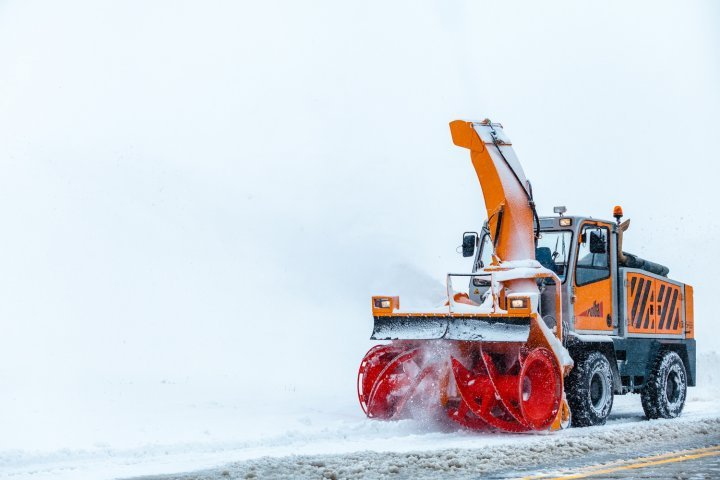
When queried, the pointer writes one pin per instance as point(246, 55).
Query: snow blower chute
point(487, 359)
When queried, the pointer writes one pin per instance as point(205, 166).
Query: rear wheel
point(590, 390)
point(664, 393)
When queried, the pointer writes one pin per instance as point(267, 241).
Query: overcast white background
point(213, 190)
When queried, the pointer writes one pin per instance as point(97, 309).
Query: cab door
point(593, 283)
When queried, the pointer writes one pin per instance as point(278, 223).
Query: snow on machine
point(554, 319)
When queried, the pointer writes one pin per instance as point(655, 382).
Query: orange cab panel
point(593, 306)
point(593, 302)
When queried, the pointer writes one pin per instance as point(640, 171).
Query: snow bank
point(524, 452)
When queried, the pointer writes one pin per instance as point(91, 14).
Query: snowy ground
point(505, 458)
point(124, 430)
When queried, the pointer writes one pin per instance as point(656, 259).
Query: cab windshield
point(553, 250)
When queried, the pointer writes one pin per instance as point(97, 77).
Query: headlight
point(519, 303)
point(565, 222)
point(382, 303)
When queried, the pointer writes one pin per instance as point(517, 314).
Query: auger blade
point(541, 389)
point(459, 412)
point(388, 379)
point(371, 366)
point(507, 389)
point(391, 385)
point(514, 401)
point(481, 397)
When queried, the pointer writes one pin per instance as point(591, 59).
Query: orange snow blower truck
point(553, 320)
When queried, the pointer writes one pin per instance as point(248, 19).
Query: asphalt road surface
point(688, 464)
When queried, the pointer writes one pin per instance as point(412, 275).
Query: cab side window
point(593, 259)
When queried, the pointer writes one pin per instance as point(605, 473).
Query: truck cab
point(582, 252)
point(613, 302)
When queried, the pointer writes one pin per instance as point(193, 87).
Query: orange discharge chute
point(493, 365)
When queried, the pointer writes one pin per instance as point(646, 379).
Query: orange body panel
point(689, 313)
point(654, 306)
point(593, 306)
point(668, 311)
point(641, 302)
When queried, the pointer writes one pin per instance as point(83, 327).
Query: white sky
point(207, 187)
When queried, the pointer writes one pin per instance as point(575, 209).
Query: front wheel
point(663, 396)
point(590, 390)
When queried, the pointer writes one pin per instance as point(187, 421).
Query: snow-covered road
point(511, 457)
point(312, 440)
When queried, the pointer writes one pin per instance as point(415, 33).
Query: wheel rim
point(673, 386)
point(599, 392)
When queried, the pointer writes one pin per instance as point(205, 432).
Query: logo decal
point(595, 311)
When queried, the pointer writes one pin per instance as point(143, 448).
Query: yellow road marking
point(641, 462)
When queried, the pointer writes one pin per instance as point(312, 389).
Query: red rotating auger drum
point(504, 386)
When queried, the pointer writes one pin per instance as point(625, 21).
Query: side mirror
point(470, 240)
point(597, 243)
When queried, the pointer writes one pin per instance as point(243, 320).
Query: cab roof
point(553, 222)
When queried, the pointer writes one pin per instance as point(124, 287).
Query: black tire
point(663, 396)
point(589, 388)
